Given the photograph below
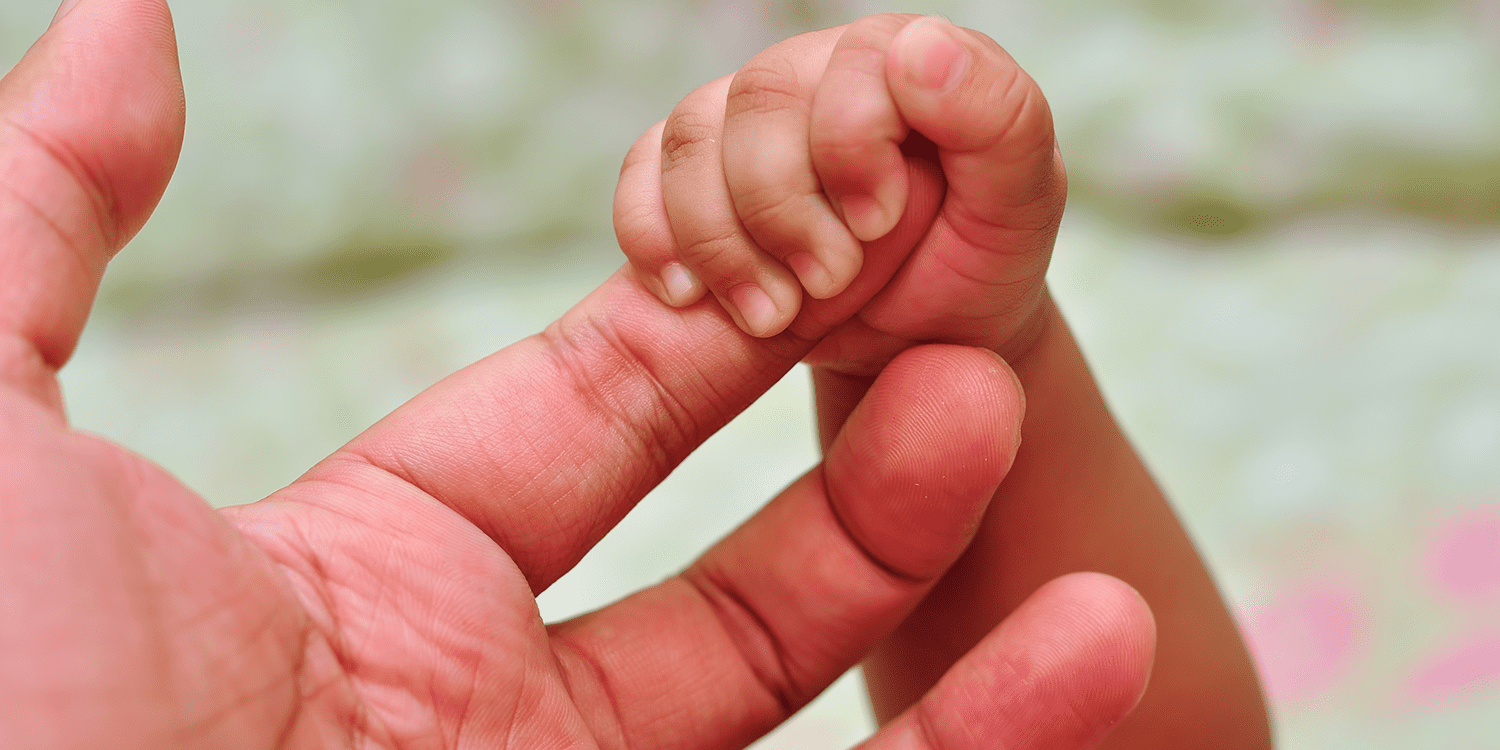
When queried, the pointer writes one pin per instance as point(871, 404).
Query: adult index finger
point(548, 443)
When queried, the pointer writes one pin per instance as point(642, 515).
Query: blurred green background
point(1282, 254)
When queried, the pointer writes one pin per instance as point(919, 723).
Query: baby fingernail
point(863, 216)
point(757, 311)
point(683, 287)
point(930, 57)
point(872, 217)
point(813, 274)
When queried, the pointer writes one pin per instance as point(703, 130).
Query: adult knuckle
point(625, 391)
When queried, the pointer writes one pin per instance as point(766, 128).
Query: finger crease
point(653, 437)
point(874, 560)
point(101, 198)
point(600, 677)
point(740, 622)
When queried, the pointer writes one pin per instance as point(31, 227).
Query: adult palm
point(386, 598)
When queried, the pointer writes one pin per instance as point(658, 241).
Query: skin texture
point(386, 598)
point(898, 115)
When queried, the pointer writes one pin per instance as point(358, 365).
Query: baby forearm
point(1079, 498)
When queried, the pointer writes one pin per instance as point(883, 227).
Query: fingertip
point(1111, 618)
point(815, 278)
point(832, 261)
point(757, 313)
point(1121, 609)
point(977, 397)
point(651, 282)
point(870, 217)
point(1061, 671)
point(680, 286)
point(920, 457)
point(654, 285)
point(965, 93)
point(103, 85)
point(993, 128)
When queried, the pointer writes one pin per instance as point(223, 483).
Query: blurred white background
point(1282, 255)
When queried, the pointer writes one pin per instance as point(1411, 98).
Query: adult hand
point(386, 599)
point(910, 117)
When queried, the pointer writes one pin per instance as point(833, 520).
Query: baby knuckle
point(845, 143)
point(873, 33)
point(640, 151)
point(716, 249)
point(638, 234)
point(986, 42)
point(685, 136)
point(766, 84)
point(765, 207)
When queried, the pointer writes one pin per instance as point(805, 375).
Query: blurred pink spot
point(1460, 667)
point(433, 178)
point(1463, 556)
point(1306, 641)
point(1322, 22)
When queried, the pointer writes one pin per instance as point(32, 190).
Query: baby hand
point(826, 141)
